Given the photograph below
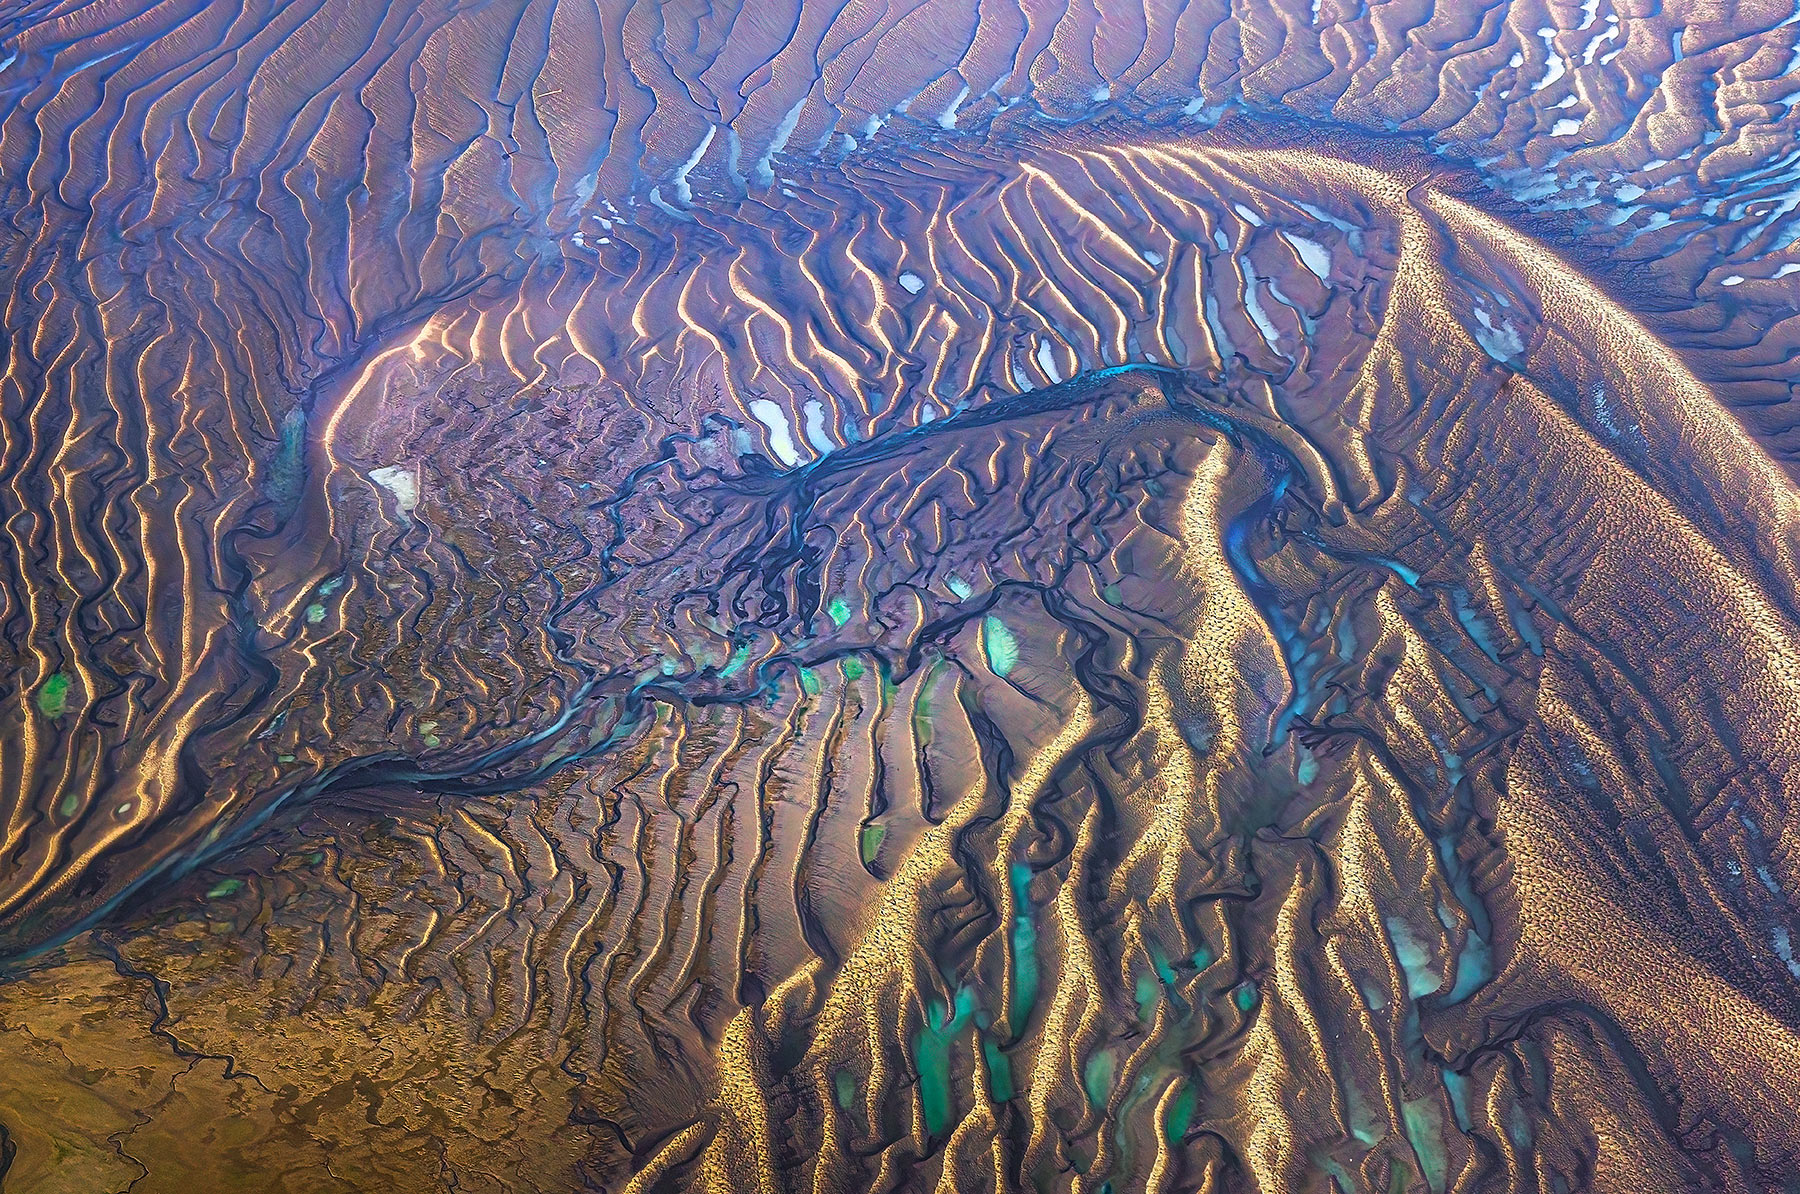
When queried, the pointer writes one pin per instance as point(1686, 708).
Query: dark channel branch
point(798, 604)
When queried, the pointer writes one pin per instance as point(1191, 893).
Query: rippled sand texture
point(951, 597)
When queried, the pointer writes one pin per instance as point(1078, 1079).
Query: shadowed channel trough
point(596, 604)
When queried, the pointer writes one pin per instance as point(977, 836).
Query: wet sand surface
point(964, 596)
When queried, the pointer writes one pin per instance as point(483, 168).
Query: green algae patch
point(1457, 1087)
point(1245, 997)
point(1112, 596)
point(68, 804)
point(53, 697)
point(739, 658)
point(853, 669)
point(1340, 1177)
point(1518, 1127)
point(1476, 625)
point(1160, 960)
point(1414, 957)
point(932, 1046)
point(1000, 644)
point(845, 1085)
point(1024, 950)
point(1000, 1079)
point(1097, 1077)
point(315, 613)
point(923, 709)
point(223, 888)
point(1181, 1114)
point(1366, 1125)
point(960, 587)
point(869, 841)
point(1425, 1132)
point(1145, 997)
point(838, 610)
point(287, 472)
point(809, 682)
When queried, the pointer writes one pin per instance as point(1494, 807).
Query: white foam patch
point(1784, 949)
point(1732, 280)
point(402, 482)
point(1046, 360)
point(734, 151)
point(683, 191)
point(1307, 323)
point(1152, 256)
point(1554, 66)
point(1790, 268)
point(1503, 343)
point(1250, 217)
point(1611, 34)
point(816, 432)
point(1313, 255)
point(1221, 341)
point(778, 142)
point(911, 282)
point(781, 436)
point(947, 119)
point(1565, 128)
point(1254, 309)
point(1351, 232)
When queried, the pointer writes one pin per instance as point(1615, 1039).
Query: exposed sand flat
point(942, 596)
